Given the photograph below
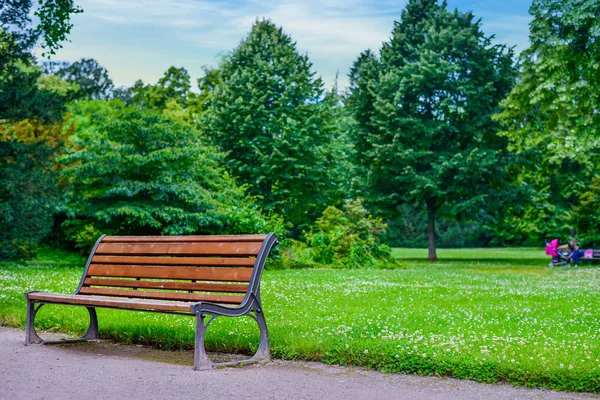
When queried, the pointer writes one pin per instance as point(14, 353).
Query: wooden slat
point(212, 249)
point(181, 273)
point(103, 301)
point(190, 239)
point(216, 261)
point(141, 294)
point(199, 287)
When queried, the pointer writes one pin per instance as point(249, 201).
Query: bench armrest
point(203, 307)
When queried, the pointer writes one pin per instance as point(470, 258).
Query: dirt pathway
point(108, 371)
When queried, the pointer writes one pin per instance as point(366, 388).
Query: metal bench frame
point(205, 313)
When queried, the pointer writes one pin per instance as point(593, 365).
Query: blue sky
point(140, 39)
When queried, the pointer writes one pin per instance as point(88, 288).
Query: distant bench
point(186, 275)
point(595, 256)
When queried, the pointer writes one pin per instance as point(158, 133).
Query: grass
point(484, 314)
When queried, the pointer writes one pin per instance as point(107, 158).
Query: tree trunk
point(431, 229)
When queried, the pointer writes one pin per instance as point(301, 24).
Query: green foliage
point(586, 215)
point(52, 27)
point(197, 103)
point(173, 85)
point(550, 191)
point(347, 238)
point(28, 196)
point(55, 22)
point(20, 95)
point(410, 230)
point(554, 104)
point(133, 172)
point(268, 115)
point(425, 134)
point(551, 120)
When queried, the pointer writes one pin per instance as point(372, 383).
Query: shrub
point(343, 238)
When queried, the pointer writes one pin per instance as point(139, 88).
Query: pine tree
point(426, 122)
point(269, 115)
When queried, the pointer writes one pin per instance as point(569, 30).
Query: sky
point(141, 39)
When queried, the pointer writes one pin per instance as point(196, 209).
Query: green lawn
point(483, 314)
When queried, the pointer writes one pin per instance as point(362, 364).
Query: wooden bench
point(189, 275)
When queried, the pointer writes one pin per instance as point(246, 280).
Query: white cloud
point(141, 39)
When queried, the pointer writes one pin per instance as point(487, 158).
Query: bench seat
point(108, 302)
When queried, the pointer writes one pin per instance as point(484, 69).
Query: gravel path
point(109, 371)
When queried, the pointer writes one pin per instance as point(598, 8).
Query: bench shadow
point(107, 348)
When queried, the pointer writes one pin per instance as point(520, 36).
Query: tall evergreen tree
point(360, 101)
point(269, 115)
point(425, 117)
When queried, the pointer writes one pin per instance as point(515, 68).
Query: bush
point(137, 173)
point(347, 238)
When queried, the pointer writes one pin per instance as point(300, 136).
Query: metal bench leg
point(263, 354)
point(92, 332)
point(31, 336)
point(201, 360)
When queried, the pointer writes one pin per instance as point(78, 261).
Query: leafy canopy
point(552, 121)
point(20, 96)
point(129, 171)
point(555, 103)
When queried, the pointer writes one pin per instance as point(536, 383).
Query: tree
point(91, 78)
point(269, 116)
point(174, 85)
point(52, 28)
point(28, 194)
point(20, 96)
point(129, 171)
point(27, 183)
point(556, 99)
point(551, 118)
point(360, 102)
point(424, 114)
point(197, 103)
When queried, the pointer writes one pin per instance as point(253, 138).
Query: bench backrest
point(217, 269)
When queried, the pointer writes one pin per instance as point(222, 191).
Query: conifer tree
point(425, 117)
point(269, 115)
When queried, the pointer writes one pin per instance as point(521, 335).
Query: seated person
point(575, 253)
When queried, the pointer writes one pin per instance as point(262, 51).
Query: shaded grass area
point(483, 314)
